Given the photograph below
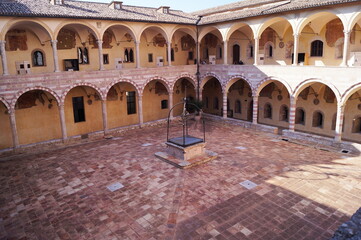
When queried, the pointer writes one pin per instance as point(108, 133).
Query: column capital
point(346, 32)
point(256, 38)
point(61, 105)
point(296, 35)
point(137, 42)
point(99, 41)
point(255, 96)
point(2, 41)
point(54, 41)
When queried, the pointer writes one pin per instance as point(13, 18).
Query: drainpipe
point(197, 46)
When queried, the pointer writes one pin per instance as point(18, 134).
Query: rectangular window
point(78, 109)
point(164, 104)
point(105, 58)
point(190, 56)
point(150, 57)
point(131, 103)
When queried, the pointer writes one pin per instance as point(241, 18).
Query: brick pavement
point(302, 192)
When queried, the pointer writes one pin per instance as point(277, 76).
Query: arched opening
point(28, 45)
point(274, 100)
point(208, 47)
point(183, 88)
point(300, 116)
point(83, 111)
point(314, 98)
point(356, 125)
point(240, 95)
point(184, 47)
point(242, 35)
point(317, 48)
point(155, 101)
point(352, 114)
point(6, 139)
point(236, 54)
point(37, 117)
point(212, 91)
point(122, 109)
point(153, 41)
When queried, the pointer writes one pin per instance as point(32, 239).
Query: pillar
point(137, 54)
point(292, 114)
point(225, 104)
point(100, 52)
point(170, 103)
point(105, 116)
point(225, 53)
point(198, 52)
point(140, 109)
point(169, 49)
point(62, 122)
point(295, 48)
point(4, 60)
point(339, 122)
point(256, 47)
point(55, 55)
point(346, 45)
point(255, 110)
point(14, 131)
point(200, 94)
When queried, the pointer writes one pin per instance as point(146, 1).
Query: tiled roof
point(228, 12)
point(252, 8)
point(77, 9)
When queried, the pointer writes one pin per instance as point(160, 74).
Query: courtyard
point(294, 191)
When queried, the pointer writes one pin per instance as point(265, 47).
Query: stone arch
point(210, 29)
point(126, 27)
point(272, 21)
point(185, 29)
point(81, 23)
point(235, 78)
point(237, 26)
point(65, 92)
point(31, 24)
point(268, 80)
point(18, 95)
point(348, 93)
point(207, 77)
point(354, 19)
point(302, 85)
point(161, 79)
point(188, 76)
point(154, 26)
point(124, 80)
point(326, 15)
point(7, 105)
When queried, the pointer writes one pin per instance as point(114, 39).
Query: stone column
point(140, 109)
point(200, 94)
point(55, 55)
point(346, 45)
point(100, 52)
point(339, 122)
point(170, 105)
point(14, 131)
point(169, 50)
point(198, 52)
point(224, 104)
point(295, 48)
point(4, 60)
point(256, 47)
point(255, 110)
point(105, 116)
point(225, 53)
point(137, 53)
point(292, 114)
point(62, 122)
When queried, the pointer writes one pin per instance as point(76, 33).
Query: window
point(105, 58)
point(78, 109)
point(356, 125)
point(131, 103)
point(164, 104)
point(238, 106)
point(172, 55)
point(300, 116)
point(317, 48)
point(215, 103)
point(250, 50)
point(268, 48)
point(267, 113)
point(317, 120)
point(190, 56)
point(150, 57)
point(284, 113)
point(38, 58)
point(219, 52)
point(128, 55)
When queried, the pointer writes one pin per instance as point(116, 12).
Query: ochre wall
point(351, 113)
point(38, 123)
point(93, 113)
point(117, 109)
point(5, 129)
point(152, 104)
point(211, 90)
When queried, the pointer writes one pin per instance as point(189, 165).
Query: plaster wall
point(5, 129)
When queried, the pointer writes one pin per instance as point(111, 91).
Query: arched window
point(215, 103)
point(317, 119)
point(300, 116)
point(267, 112)
point(356, 125)
point(317, 48)
point(250, 50)
point(219, 52)
point(131, 55)
point(38, 58)
point(126, 55)
point(172, 55)
point(237, 106)
point(284, 113)
point(236, 53)
point(268, 49)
